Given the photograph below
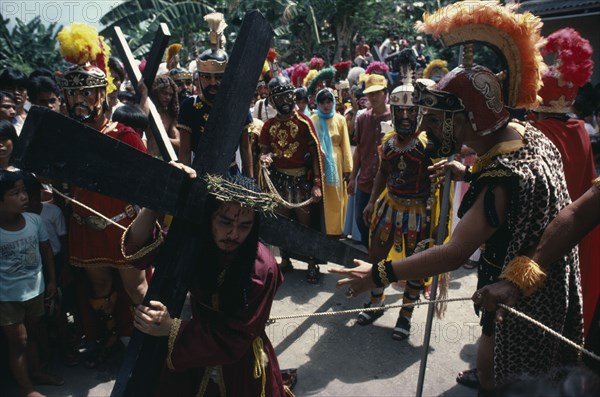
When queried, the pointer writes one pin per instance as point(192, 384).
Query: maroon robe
point(213, 338)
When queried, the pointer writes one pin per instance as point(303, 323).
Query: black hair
point(126, 96)
point(131, 116)
point(8, 179)
point(32, 185)
point(13, 77)
point(116, 69)
point(42, 72)
point(8, 131)
point(324, 95)
point(6, 94)
point(233, 292)
point(41, 84)
point(301, 94)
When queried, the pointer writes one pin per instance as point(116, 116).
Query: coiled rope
point(265, 180)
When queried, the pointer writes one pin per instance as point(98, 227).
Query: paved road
point(334, 355)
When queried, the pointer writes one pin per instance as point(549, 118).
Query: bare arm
point(568, 228)
point(173, 133)
point(185, 143)
point(49, 269)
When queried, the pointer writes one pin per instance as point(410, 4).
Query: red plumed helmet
point(572, 68)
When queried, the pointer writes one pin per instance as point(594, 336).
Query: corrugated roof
point(559, 7)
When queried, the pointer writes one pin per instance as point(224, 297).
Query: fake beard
point(206, 92)
point(285, 109)
point(82, 117)
point(404, 130)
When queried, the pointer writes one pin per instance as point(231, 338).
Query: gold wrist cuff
point(382, 274)
point(173, 332)
point(144, 250)
point(525, 273)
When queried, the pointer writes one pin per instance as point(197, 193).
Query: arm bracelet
point(525, 273)
point(383, 274)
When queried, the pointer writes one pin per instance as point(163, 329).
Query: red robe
point(572, 141)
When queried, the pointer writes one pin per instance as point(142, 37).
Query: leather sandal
point(366, 318)
point(402, 329)
point(468, 378)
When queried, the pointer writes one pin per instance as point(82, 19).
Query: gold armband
point(173, 332)
point(596, 182)
point(144, 250)
point(525, 273)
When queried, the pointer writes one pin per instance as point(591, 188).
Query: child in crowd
point(8, 138)
point(25, 255)
point(60, 311)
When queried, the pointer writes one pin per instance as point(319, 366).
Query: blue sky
point(61, 12)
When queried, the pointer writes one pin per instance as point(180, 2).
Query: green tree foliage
point(29, 46)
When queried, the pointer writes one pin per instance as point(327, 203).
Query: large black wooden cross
point(56, 146)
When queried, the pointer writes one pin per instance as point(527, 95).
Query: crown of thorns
point(226, 190)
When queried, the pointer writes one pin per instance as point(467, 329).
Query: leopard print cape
point(534, 178)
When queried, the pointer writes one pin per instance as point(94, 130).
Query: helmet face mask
point(282, 95)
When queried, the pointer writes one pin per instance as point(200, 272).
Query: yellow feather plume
point(80, 44)
point(517, 36)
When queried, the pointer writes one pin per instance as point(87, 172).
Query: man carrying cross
point(224, 348)
point(94, 242)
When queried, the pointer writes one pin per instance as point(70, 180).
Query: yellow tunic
point(335, 197)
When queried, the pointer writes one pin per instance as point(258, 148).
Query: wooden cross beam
point(154, 58)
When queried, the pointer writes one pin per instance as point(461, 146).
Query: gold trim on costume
point(502, 148)
point(596, 182)
point(173, 332)
point(185, 128)
point(301, 171)
point(260, 363)
point(142, 251)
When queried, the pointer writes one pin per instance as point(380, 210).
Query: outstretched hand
point(491, 295)
point(358, 278)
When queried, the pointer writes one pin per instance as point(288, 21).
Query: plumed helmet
point(475, 90)
point(214, 60)
point(572, 68)
point(81, 45)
